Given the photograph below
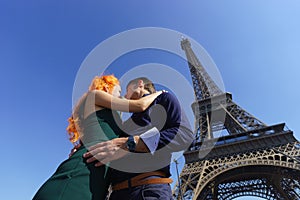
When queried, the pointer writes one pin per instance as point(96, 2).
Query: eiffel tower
point(234, 154)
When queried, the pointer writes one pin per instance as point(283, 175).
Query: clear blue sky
point(255, 45)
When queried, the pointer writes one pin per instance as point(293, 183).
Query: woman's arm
point(106, 100)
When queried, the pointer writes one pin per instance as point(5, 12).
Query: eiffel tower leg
point(214, 191)
point(250, 158)
point(279, 189)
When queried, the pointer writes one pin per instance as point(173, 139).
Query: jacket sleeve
point(173, 132)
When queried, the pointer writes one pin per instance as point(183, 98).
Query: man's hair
point(148, 85)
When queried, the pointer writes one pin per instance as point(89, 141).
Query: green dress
point(74, 179)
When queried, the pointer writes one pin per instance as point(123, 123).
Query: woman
point(94, 120)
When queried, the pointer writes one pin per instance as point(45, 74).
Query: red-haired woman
point(94, 120)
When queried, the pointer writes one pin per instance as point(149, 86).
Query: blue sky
point(255, 45)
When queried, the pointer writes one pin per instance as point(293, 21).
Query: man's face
point(132, 91)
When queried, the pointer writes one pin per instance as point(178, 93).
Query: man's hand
point(105, 152)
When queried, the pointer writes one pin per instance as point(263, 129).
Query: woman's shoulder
point(103, 111)
point(99, 113)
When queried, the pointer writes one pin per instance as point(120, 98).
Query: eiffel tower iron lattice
point(250, 159)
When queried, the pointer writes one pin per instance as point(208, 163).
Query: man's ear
point(141, 83)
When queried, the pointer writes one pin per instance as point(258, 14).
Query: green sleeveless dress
point(74, 179)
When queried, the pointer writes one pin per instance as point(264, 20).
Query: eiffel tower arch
point(251, 159)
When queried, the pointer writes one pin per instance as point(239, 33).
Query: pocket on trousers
point(156, 191)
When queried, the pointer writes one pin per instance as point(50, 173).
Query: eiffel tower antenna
point(252, 159)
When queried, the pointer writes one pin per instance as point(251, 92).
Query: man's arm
point(116, 148)
point(175, 135)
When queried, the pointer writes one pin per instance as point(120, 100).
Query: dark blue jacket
point(172, 133)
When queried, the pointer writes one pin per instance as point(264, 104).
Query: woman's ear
point(107, 89)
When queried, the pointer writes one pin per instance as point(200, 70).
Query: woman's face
point(116, 92)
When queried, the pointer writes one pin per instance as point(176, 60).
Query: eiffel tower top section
point(204, 86)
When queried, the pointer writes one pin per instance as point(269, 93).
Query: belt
point(139, 180)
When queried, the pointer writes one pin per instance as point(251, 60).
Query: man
point(159, 130)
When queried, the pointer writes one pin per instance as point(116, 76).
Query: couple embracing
point(130, 159)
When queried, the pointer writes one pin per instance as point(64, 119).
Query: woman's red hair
point(105, 83)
